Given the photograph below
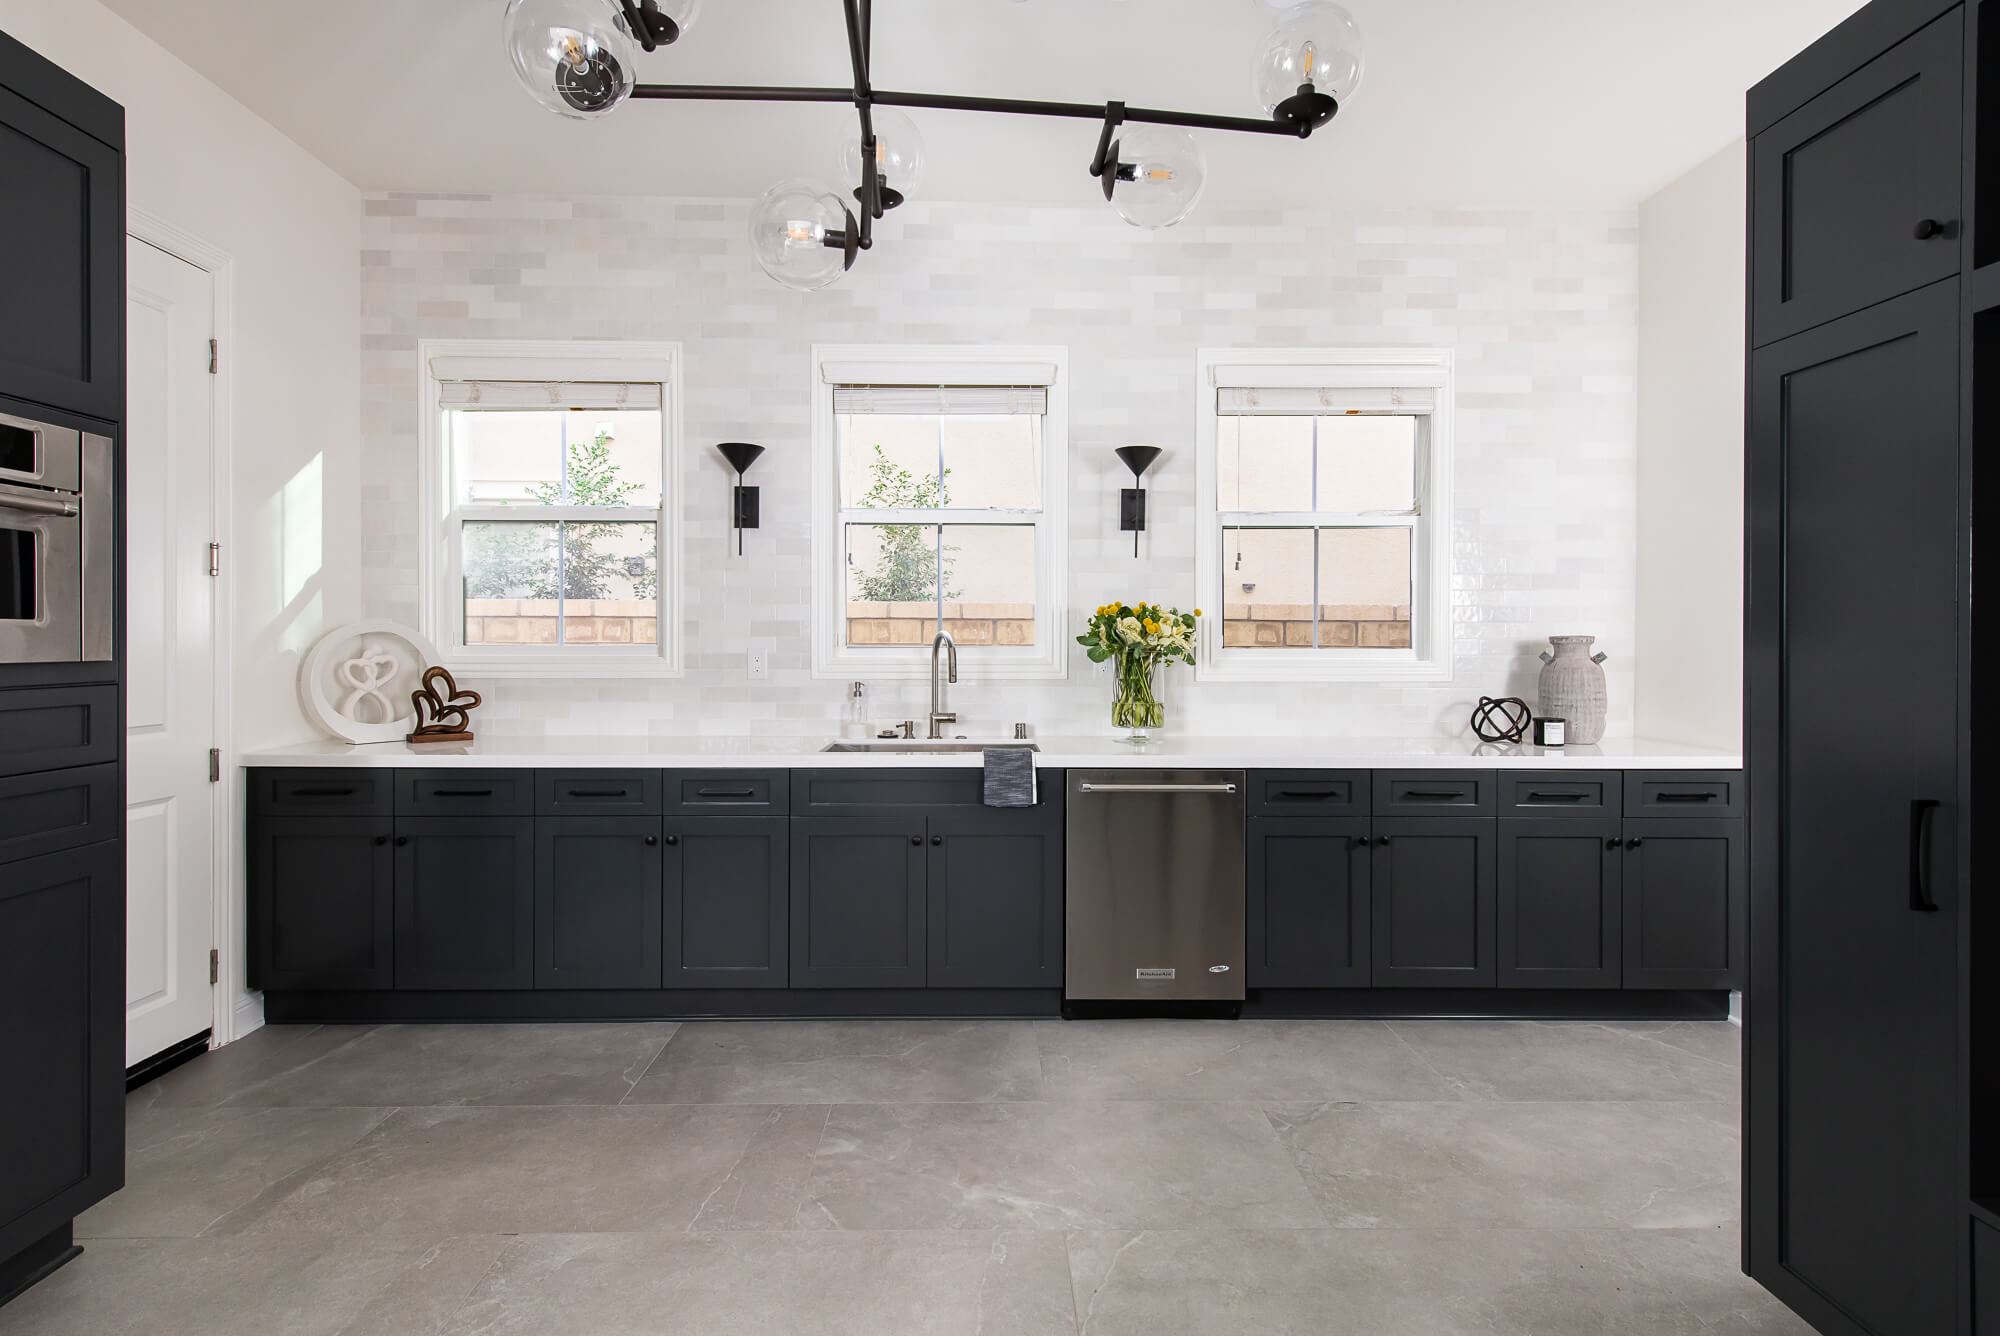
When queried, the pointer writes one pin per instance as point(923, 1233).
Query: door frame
point(234, 1011)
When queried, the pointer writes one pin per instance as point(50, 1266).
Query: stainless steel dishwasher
point(1154, 885)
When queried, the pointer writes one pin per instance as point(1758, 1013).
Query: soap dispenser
point(854, 724)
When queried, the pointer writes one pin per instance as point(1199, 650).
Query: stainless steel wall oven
point(57, 548)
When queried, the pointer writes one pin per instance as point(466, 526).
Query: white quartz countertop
point(1080, 752)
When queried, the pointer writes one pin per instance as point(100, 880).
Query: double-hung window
point(1324, 491)
point(939, 482)
point(549, 491)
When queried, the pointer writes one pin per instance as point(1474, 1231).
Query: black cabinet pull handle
point(725, 793)
point(381, 840)
point(461, 793)
point(402, 840)
point(1929, 227)
point(1557, 797)
point(1923, 813)
point(1431, 796)
point(1683, 797)
point(652, 840)
point(598, 793)
point(1317, 796)
point(324, 793)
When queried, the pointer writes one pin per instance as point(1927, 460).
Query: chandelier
point(576, 57)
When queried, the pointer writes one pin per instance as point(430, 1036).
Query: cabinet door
point(1308, 902)
point(1840, 187)
point(322, 902)
point(996, 899)
point(727, 907)
point(1559, 903)
point(62, 229)
point(465, 902)
point(597, 902)
point(1853, 1190)
point(858, 902)
point(1433, 902)
point(1684, 904)
point(62, 939)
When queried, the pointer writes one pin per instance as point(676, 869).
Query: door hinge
point(212, 354)
point(215, 765)
point(215, 559)
point(214, 966)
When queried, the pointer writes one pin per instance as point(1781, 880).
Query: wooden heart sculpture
point(442, 715)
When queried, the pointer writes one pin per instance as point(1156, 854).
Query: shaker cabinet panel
point(321, 902)
point(465, 902)
point(995, 914)
point(1684, 904)
point(1433, 902)
point(1308, 902)
point(858, 901)
point(727, 909)
point(1559, 903)
point(1855, 196)
point(597, 902)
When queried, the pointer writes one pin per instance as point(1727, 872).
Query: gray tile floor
point(888, 1177)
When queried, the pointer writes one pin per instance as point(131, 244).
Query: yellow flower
point(1152, 627)
point(1197, 612)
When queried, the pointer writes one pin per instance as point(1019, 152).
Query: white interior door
point(170, 647)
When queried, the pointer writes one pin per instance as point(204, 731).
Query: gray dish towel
point(1010, 777)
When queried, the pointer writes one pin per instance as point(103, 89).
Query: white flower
point(1130, 631)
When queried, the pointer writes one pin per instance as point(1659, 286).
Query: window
point(549, 542)
point(939, 486)
point(1323, 486)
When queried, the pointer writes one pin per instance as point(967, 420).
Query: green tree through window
point(906, 569)
point(519, 560)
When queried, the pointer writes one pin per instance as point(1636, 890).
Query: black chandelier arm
point(1091, 111)
point(1103, 161)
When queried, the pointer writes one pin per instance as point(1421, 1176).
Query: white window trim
point(976, 364)
point(1430, 657)
point(541, 360)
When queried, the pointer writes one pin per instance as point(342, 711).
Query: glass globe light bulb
point(789, 227)
point(899, 154)
point(575, 57)
point(1316, 48)
point(1160, 175)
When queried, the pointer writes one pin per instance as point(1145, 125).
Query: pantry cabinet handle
point(1923, 813)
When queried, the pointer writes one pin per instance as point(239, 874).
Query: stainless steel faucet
point(939, 715)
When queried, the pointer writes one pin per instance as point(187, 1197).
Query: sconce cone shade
point(1138, 458)
point(740, 454)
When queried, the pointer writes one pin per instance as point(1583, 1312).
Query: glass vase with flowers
point(1137, 640)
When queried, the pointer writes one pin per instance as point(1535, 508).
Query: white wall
point(1690, 582)
point(1541, 306)
point(203, 162)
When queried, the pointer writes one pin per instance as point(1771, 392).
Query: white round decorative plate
point(356, 682)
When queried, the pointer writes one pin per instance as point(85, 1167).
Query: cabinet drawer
point(1535, 793)
point(1702, 793)
point(824, 792)
point(728, 792)
point(598, 792)
point(465, 792)
point(1309, 793)
point(56, 728)
point(1434, 792)
point(322, 792)
point(40, 814)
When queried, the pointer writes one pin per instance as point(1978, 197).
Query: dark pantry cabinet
point(1863, 1150)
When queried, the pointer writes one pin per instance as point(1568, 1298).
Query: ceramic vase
point(1572, 688)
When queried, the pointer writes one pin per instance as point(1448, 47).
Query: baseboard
point(246, 1016)
point(153, 1068)
point(35, 1263)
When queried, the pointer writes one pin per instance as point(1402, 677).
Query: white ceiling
point(1476, 102)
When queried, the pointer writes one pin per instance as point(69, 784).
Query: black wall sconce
point(743, 512)
point(1132, 500)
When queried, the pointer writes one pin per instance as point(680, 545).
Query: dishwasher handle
point(1085, 786)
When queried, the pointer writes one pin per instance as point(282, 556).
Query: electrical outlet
point(760, 665)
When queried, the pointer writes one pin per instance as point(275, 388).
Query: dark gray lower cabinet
point(1308, 902)
point(1685, 903)
point(1433, 902)
point(465, 902)
point(597, 902)
point(858, 901)
point(322, 902)
point(994, 890)
point(1560, 903)
point(726, 903)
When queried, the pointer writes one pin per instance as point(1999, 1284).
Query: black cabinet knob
point(673, 839)
point(1928, 228)
point(1382, 840)
point(381, 840)
point(402, 840)
point(937, 839)
point(1612, 843)
point(1357, 842)
point(1632, 844)
point(652, 840)
point(916, 839)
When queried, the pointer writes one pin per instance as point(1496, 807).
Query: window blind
point(1296, 401)
point(526, 395)
point(926, 400)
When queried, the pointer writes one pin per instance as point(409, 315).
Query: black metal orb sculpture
point(1503, 720)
